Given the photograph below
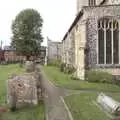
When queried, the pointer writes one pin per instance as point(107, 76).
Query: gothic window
point(92, 2)
point(108, 41)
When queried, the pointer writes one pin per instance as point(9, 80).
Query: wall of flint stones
point(92, 15)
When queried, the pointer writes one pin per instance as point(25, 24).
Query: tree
point(27, 36)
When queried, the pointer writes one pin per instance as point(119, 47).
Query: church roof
point(73, 24)
point(79, 15)
point(103, 2)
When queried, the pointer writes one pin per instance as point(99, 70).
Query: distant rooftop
point(8, 48)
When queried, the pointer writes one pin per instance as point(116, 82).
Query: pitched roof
point(8, 48)
point(103, 2)
point(73, 24)
point(77, 19)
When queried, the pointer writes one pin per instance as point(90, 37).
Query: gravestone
point(29, 66)
point(22, 90)
point(109, 104)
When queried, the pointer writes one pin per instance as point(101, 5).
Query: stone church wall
point(110, 2)
point(92, 15)
point(91, 42)
point(86, 33)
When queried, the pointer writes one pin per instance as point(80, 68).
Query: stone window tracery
point(108, 41)
point(92, 2)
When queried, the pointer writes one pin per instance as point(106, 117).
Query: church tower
point(81, 3)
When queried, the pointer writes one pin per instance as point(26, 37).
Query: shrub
point(56, 63)
point(62, 67)
point(70, 69)
point(73, 77)
point(67, 68)
point(99, 76)
point(21, 64)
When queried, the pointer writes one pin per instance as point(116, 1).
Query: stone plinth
point(29, 66)
point(22, 90)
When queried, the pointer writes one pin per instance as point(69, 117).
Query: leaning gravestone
point(22, 89)
point(109, 104)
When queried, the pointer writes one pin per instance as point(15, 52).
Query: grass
point(82, 107)
point(34, 113)
point(5, 71)
point(115, 96)
point(64, 80)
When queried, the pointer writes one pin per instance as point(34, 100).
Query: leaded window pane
point(101, 46)
point(108, 32)
point(116, 46)
point(92, 2)
point(108, 47)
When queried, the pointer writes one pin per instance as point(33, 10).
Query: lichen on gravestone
point(29, 66)
point(22, 90)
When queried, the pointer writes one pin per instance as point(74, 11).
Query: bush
point(74, 77)
point(99, 76)
point(63, 67)
point(56, 63)
point(67, 68)
point(70, 69)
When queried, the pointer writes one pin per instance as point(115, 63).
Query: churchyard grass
point(63, 80)
point(34, 113)
point(5, 72)
point(84, 107)
point(29, 113)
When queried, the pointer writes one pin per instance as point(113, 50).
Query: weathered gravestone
point(29, 66)
point(22, 90)
point(109, 104)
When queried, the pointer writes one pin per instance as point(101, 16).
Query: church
point(93, 39)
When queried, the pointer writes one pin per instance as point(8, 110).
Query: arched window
point(92, 2)
point(108, 41)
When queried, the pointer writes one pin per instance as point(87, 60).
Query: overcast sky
point(57, 15)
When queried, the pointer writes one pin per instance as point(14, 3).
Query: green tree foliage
point(26, 29)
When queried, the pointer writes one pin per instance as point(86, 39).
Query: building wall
point(80, 4)
point(111, 2)
point(80, 41)
point(86, 36)
point(94, 14)
point(54, 50)
point(86, 56)
point(68, 48)
point(11, 56)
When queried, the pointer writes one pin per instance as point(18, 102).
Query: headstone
point(40, 89)
point(22, 90)
point(109, 104)
point(29, 66)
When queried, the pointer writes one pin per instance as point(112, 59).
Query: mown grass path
point(55, 108)
point(80, 95)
